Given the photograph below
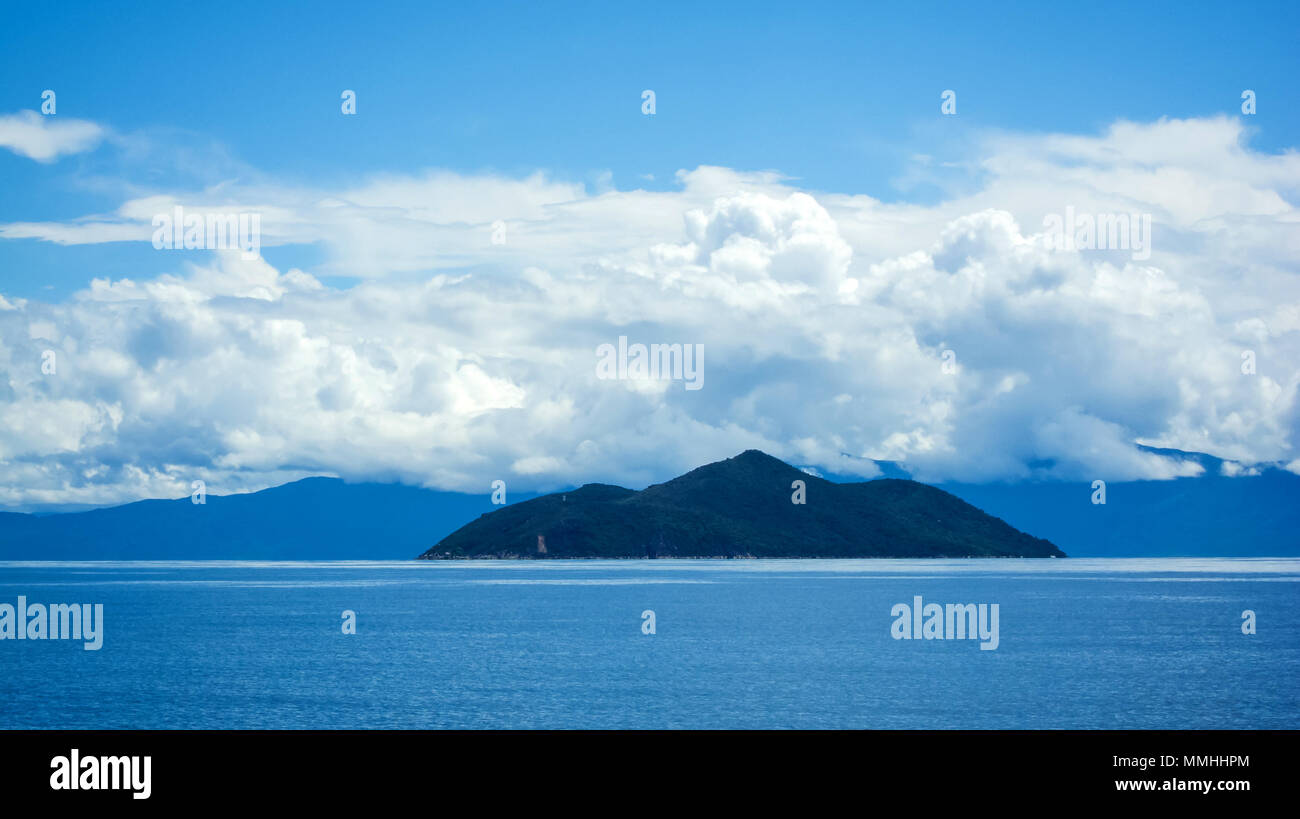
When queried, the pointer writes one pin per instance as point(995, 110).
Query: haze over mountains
point(328, 519)
point(311, 519)
point(1214, 515)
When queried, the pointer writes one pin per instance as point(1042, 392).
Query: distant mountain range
point(752, 505)
point(1213, 515)
point(311, 519)
point(327, 519)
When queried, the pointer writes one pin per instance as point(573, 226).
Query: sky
point(870, 277)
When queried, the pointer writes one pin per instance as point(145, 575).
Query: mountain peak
point(751, 460)
point(758, 456)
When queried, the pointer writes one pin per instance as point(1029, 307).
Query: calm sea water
point(739, 644)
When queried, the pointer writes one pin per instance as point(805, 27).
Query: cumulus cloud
point(956, 338)
point(45, 139)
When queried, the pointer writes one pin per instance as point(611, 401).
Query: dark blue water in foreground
point(739, 644)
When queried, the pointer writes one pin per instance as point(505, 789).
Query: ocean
point(1080, 643)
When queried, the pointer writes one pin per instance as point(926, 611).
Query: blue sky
point(531, 113)
point(836, 95)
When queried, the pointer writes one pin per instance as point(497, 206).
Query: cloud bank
point(956, 337)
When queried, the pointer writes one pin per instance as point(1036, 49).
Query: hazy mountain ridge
point(1218, 513)
point(310, 519)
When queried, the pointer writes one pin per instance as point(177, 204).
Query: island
point(749, 506)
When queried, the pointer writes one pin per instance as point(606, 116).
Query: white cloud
point(46, 138)
point(824, 320)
